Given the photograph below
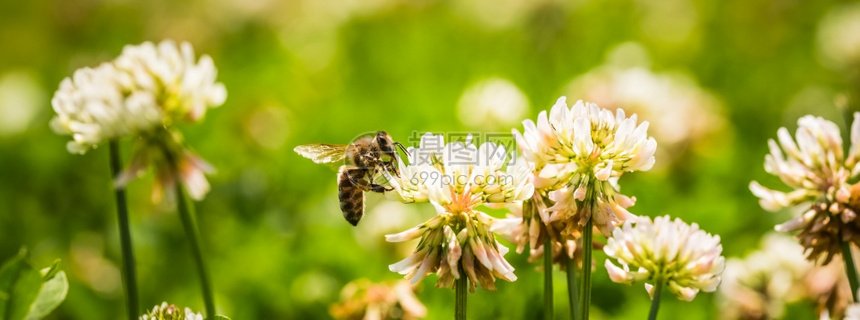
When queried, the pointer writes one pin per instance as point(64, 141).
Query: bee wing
point(322, 153)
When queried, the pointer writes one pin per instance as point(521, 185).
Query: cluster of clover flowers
point(561, 185)
point(141, 95)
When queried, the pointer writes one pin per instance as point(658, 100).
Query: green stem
point(655, 302)
point(129, 274)
point(850, 269)
point(586, 268)
point(461, 294)
point(194, 239)
point(547, 278)
point(572, 288)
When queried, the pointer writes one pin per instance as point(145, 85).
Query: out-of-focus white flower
point(495, 14)
point(839, 36)
point(145, 88)
point(578, 154)
point(170, 312)
point(182, 86)
point(92, 107)
point(362, 299)
point(760, 285)
point(492, 104)
point(21, 99)
point(853, 312)
point(677, 254)
point(680, 110)
point(816, 169)
point(142, 93)
point(386, 218)
point(458, 178)
point(670, 22)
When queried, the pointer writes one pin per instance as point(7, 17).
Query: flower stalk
point(586, 269)
point(655, 301)
point(461, 295)
point(572, 288)
point(850, 268)
point(191, 231)
point(129, 274)
point(548, 309)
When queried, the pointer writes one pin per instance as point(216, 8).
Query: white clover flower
point(680, 255)
point(437, 172)
point(813, 166)
point(817, 171)
point(459, 178)
point(143, 89)
point(578, 154)
point(141, 94)
point(593, 139)
point(170, 312)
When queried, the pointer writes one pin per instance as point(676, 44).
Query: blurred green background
point(715, 78)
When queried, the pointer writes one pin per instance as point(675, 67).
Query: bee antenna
point(400, 145)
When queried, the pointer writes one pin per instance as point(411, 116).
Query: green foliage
point(27, 293)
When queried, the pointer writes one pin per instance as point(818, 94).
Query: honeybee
point(366, 157)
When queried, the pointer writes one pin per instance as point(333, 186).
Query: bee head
point(385, 143)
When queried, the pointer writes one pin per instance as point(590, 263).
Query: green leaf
point(24, 293)
point(9, 275)
point(29, 294)
point(51, 295)
point(219, 317)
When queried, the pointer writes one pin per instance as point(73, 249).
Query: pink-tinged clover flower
point(814, 166)
point(577, 154)
point(677, 254)
point(458, 178)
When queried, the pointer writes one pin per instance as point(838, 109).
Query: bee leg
point(392, 168)
point(379, 188)
point(365, 182)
